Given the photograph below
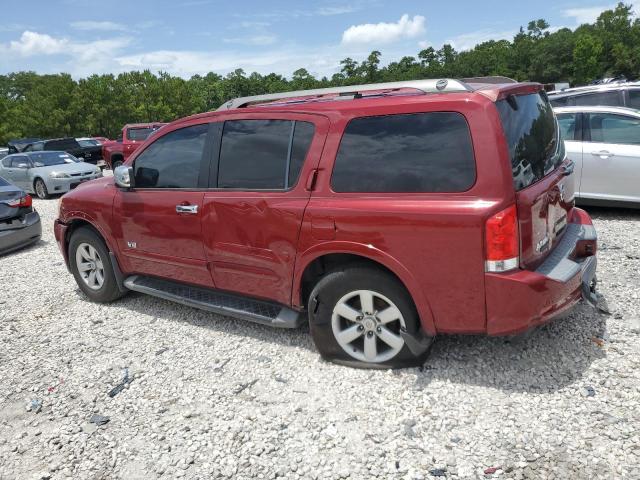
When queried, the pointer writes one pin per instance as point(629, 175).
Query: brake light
point(23, 202)
point(502, 241)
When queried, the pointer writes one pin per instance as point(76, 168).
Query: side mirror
point(124, 176)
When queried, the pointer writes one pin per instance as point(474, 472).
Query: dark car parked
point(19, 222)
point(89, 154)
point(614, 94)
point(18, 145)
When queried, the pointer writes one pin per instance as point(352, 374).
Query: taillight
point(502, 241)
point(23, 202)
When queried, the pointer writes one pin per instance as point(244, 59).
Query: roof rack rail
point(444, 85)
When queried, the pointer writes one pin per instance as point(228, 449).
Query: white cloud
point(469, 40)
point(33, 43)
point(339, 10)
point(583, 15)
point(255, 40)
point(91, 25)
point(385, 33)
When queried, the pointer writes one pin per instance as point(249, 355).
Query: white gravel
point(212, 397)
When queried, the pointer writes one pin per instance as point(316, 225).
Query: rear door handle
point(602, 154)
point(189, 209)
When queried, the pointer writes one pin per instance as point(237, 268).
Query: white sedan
point(604, 143)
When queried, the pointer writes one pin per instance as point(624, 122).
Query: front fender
point(304, 259)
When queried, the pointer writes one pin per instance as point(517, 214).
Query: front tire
point(356, 315)
point(41, 189)
point(91, 266)
point(116, 164)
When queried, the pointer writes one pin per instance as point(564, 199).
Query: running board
point(258, 311)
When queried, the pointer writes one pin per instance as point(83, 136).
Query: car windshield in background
point(89, 143)
point(48, 159)
point(139, 134)
point(532, 136)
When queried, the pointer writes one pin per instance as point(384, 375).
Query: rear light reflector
point(502, 242)
point(23, 202)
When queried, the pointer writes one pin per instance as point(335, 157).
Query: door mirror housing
point(124, 176)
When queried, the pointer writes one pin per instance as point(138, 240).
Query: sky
point(187, 37)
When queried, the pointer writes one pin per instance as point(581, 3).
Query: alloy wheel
point(367, 325)
point(90, 266)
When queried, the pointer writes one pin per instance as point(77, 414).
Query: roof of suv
point(605, 87)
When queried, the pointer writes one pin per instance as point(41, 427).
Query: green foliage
point(33, 105)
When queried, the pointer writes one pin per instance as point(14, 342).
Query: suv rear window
point(532, 136)
point(409, 153)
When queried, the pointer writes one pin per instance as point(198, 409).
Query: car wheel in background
point(116, 164)
point(91, 266)
point(41, 189)
point(356, 316)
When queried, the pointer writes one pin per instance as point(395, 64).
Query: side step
point(258, 311)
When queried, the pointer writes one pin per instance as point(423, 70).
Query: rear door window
point(634, 98)
point(533, 137)
point(611, 98)
point(568, 125)
point(263, 154)
point(173, 160)
point(617, 129)
point(407, 153)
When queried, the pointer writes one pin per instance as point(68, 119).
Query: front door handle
point(189, 209)
point(602, 154)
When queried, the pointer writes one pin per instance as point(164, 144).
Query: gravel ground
point(210, 397)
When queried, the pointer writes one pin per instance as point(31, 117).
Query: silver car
point(604, 143)
point(46, 173)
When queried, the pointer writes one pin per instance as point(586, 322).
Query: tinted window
point(611, 98)
point(254, 154)
point(608, 128)
point(139, 134)
point(88, 143)
point(6, 162)
point(62, 144)
point(634, 99)
point(532, 136)
point(3, 182)
point(302, 137)
point(424, 152)
point(173, 160)
point(559, 101)
point(567, 122)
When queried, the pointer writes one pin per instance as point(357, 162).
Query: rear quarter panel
point(432, 242)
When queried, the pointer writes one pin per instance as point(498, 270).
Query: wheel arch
point(312, 265)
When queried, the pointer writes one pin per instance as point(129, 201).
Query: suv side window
point(263, 154)
point(634, 98)
point(412, 153)
point(610, 98)
point(618, 129)
point(173, 160)
point(568, 125)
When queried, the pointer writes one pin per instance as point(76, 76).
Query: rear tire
point(41, 189)
point(355, 317)
point(116, 164)
point(91, 266)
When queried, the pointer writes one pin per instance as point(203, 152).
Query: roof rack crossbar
point(444, 85)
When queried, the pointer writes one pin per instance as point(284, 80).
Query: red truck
point(116, 152)
point(383, 215)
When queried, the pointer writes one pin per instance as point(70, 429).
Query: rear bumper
point(524, 299)
point(21, 234)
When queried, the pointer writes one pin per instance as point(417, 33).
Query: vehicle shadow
point(546, 359)
point(29, 248)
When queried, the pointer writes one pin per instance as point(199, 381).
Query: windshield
point(48, 159)
point(140, 133)
point(533, 137)
point(89, 143)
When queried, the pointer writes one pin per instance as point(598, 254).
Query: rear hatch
point(544, 188)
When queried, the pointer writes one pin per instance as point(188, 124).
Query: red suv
point(386, 214)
